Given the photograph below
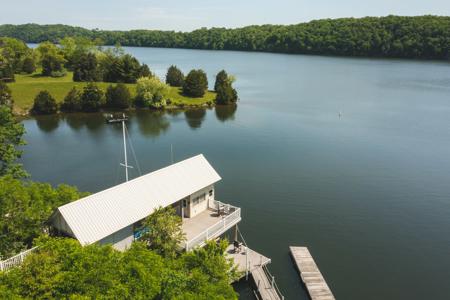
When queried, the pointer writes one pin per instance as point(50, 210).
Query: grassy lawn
point(27, 87)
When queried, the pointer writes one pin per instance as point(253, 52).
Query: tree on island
point(85, 68)
point(92, 98)
point(72, 101)
point(6, 69)
point(226, 94)
point(44, 104)
point(162, 231)
point(118, 96)
point(174, 76)
point(150, 92)
point(52, 61)
point(125, 69)
point(29, 65)
point(195, 84)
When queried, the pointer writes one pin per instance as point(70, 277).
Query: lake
point(349, 157)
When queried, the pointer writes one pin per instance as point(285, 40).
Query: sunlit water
point(349, 157)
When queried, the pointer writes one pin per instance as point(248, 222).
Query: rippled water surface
point(350, 157)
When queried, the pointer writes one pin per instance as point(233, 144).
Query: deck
point(209, 225)
point(256, 263)
point(310, 274)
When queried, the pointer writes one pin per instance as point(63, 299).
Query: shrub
point(174, 76)
point(92, 98)
point(118, 96)
point(44, 103)
point(150, 91)
point(28, 65)
point(72, 101)
point(195, 84)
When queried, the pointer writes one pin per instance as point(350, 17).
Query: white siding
point(202, 203)
point(120, 240)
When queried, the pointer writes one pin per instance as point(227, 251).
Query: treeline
point(424, 37)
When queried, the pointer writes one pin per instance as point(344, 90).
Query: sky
point(186, 15)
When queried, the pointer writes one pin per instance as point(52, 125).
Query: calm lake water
point(368, 191)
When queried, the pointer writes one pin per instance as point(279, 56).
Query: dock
point(253, 264)
point(310, 274)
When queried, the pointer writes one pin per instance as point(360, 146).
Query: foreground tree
point(25, 209)
point(63, 269)
point(163, 231)
point(11, 133)
point(5, 95)
point(118, 96)
point(72, 101)
point(195, 84)
point(44, 104)
point(174, 76)
point(92, 98)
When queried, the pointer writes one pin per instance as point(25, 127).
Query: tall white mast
point(125, 150)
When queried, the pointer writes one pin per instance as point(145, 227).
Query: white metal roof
point(99, 215)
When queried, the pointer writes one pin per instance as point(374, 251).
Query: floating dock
point(310, 274)
point(250, 262)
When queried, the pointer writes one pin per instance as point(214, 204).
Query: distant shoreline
point(418, 37)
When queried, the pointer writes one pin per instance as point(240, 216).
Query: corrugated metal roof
point(99, 215)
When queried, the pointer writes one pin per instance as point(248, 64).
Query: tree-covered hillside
point(425, 37)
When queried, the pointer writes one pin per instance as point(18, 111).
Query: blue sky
point(191, 14)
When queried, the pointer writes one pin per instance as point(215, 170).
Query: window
point(199, 199)
point(210, 193)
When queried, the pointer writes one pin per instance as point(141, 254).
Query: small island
point(79, 75)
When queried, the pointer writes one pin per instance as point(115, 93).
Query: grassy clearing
point(26, 87)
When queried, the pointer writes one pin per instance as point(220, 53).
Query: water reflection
point(75, 121)
point(47, 123)
point(195, 117)
point(225, 112)
point(152, 123)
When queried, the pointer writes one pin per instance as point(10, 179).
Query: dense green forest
point(425, 37)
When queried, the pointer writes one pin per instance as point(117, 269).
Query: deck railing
point(232, 214)
point(15, 260)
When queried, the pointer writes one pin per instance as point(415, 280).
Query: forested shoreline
point(419, 37)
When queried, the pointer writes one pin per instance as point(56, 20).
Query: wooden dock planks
point(310, 274)
point(264, 286)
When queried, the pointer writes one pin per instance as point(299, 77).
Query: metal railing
point(232, 214)
point(272, 282)
point(15, 260)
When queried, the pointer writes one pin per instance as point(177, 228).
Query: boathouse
point(113, 216)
